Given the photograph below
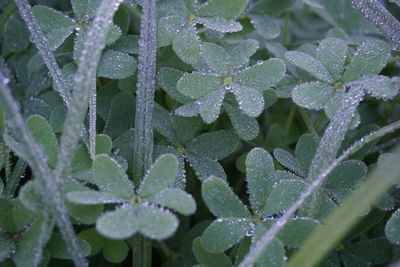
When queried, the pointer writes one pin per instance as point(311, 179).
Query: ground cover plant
point(199, 133)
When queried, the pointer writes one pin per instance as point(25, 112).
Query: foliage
point(204, 133)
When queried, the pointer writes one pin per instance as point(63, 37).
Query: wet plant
point(199, 133)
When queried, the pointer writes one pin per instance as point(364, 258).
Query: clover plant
point(199, 133)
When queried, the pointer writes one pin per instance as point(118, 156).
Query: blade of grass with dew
point(381, 17)
point(143, 139)
point(15, 178)
point(339, 223)
point(38, 163)
point(41, 43)
point(83, 81)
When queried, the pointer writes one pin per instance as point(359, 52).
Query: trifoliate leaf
point(223, 233)
point(220, 25)
point(214, 145)
point(116, 65)
point(175, 199)
point(220, 199)
point(110, 177)
point(332, 54)
point(287, 160)
point(44, 136)
point(226, 9)
point(309, 64)
point(198, 85)
point(210, 106)
point(250, 100)
point(187, 45)
point(156, 223)
point(119, 224)
point(369, 59)
point(312, 95)
point(160, 176)
point(262, 75)
point(283, 195)
point(392, 228)
point(209, 259)
point(91, 197)
point(259, 165)
point(241, 53)
point(216, 57)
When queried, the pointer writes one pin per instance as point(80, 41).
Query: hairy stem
point(13, 181)
point(143, 139)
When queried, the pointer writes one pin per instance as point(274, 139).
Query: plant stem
point(13, 181)
point(289, 122)
point(339, 222)
point(307, 121)
point(143, 139)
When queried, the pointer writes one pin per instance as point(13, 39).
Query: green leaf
point(198, 85)
point(273, 254)
point(370, 58)
point(119, 224)
point(262, 75)
point(296, 231)
point(309, 64)
point(216, 57)
point(122, 108)
point(111, 178)
point(332, 54)
point(187, 45)
point(224, 233)
point(378, 86)
point(160, 175)
point(94, 239)
point(220, 25)
point(79, 8)
point(245, 127)
point(156, 223)
point(16, 34)
point(115, 250)
point(266, 26)
point(103, 144)
point(210, 106)
point(209, 259)
point(214, 145)
point(392, 228)
point(93, 197)
point(312, 95)
point(241, 53)
point(58, 249)
point(57, 26)
point(113, 34)
point(250, 100)
point(226, 9)
point(128, 44)
point(374, 251)
point(167, 29)
point(205, 168)
point(287, 160)
point(44, 136)
point(168, 79)
point(305, 150)
point(259, 165)
point(220, 199)
point(283, 195)
point(116, 65)
point(175, 199)
point(271, 7)
point(346, 175)
point(7, 246)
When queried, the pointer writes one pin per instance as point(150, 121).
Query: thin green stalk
point(289, 122)
point(307, 121)
point(83, 84)
point(339, 222)
point(266, 239)
point(143, 139)
point(38, 163)
point(13, 181)
point(286, 27)
point(7, 163)
point(40, 40)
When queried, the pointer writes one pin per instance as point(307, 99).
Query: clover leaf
point(177, 26)
point(142, 210)
point(228, 76)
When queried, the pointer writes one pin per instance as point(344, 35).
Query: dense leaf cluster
point(254, 101)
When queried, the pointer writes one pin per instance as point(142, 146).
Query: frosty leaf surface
point(93, 197)
point(115, 251)
point(198, 85)
point(207, 258)
point(116, 65)
point(378, 86)
point(160, 176)
point(119, 224)
point(245, 127)
point(305, 150)
point(220, 25)
point(216, 57)
point(220, 199)
point(110, 177)
point(241, 53)
point(175, 199)
point(392, 228)
point(266, 26)
point(296, 231)
point(250, 100)
point(312, 95)
point(309, 64)
point(187, 45)
point(205, 167)
point(346, 174)
point(332, 54)
point(168, 28)
point(273, 254)
point(288, 160)
point(226, 9)
point(210, 106)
